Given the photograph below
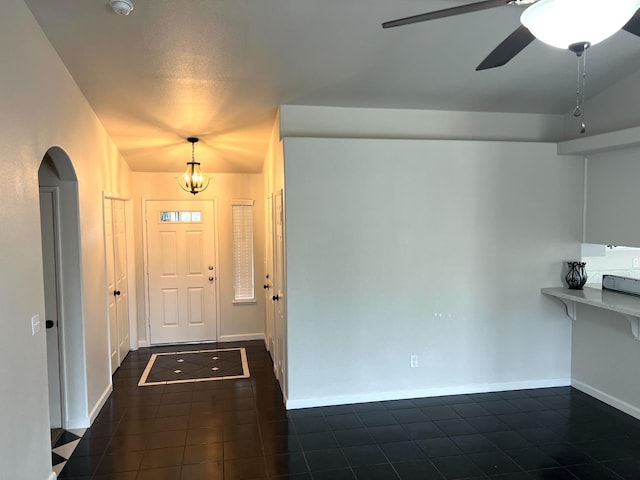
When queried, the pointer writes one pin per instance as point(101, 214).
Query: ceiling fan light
point(561, 23)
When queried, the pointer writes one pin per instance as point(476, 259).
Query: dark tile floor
point(238, 429)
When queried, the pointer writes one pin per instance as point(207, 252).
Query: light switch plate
point(35, 324)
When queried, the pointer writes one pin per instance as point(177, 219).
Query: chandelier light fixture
point(192, 180)
point(565, 23)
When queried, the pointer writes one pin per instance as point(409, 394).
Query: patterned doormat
point(195, 366)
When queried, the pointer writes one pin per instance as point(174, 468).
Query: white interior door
point(121, 293)
point(278, 293)
point(117, 281)
point(269, 274)
point(50, 261)
point(181, 271)
point(111, 285)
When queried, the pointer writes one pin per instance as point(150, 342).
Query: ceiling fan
point(570, 24)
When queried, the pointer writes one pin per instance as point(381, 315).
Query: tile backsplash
point(602, 260)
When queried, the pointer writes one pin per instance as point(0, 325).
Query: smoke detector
point(121, 7)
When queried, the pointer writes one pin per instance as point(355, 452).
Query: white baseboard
point(100, 403)
point(245, 337)
point(425, 392)
point(606, 398)
point(76, 423)
point(52, 476)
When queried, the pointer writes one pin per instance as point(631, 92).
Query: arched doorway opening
point(62, 273)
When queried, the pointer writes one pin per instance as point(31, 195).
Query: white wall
point(434, 248)
point(43, 107)
point(236, 321)
point(273, 166)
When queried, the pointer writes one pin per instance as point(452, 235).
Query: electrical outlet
point(414, 361)
point(636, 262)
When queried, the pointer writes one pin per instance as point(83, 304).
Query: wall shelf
point(626, 305)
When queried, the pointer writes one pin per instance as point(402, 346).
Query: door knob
point(211, 279)
point(265, 286)
point(275, 298)
point(116, 292)
point(49, 323)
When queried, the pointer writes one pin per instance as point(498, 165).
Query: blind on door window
point(242, 215)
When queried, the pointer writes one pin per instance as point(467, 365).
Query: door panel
point(170, 307)
point(196, 302)
point(48, 224)
point(194, 252)
point(182, 299)
point(168, 254)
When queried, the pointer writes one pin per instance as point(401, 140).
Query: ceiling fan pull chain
point(583, 126)
point(577, 112)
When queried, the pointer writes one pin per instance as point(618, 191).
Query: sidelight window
point(243, 267)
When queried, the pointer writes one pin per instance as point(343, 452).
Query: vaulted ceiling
point(218, 69)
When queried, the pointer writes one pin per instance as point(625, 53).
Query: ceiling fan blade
point(633, 25)
point(509, 48)
point(447, 12)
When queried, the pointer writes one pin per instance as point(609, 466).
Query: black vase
point(576, 276)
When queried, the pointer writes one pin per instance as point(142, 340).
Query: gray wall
point(433, 248)
point(613, 197)
point(605, 358)
point(616, 108)
point(605, 355)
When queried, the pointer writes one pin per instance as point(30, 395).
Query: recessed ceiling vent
point(121, 7)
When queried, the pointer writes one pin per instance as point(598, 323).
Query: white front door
point(182, 271)
point(117, 281)
point(50, 259)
